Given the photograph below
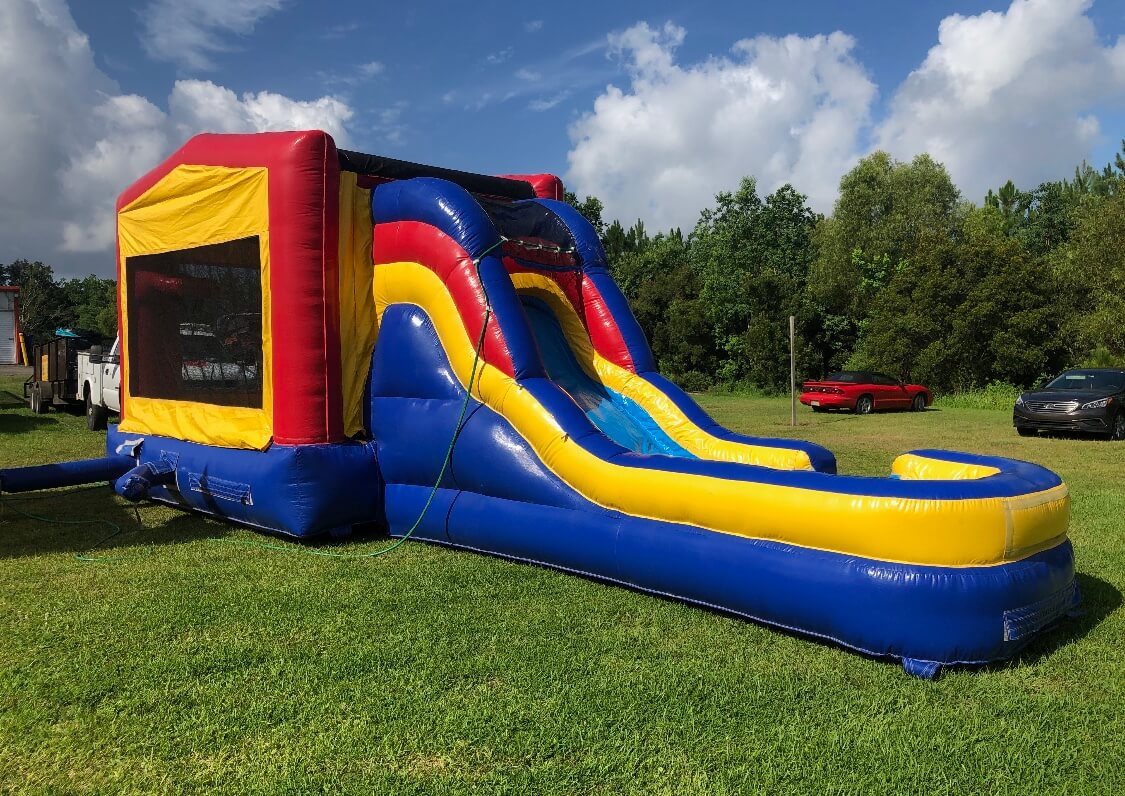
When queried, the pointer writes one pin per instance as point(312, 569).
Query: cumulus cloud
point(189, 32)
point(1002, 95)
point(196, 105)
point(785, 109)
point(1008, 95)
point(71, 141)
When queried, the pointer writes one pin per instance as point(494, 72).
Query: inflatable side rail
point(690, 424)
point(421, 213)
point(933, 565)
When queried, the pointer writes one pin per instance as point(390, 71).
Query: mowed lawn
point(188, 661)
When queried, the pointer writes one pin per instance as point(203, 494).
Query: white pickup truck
point(99, 384)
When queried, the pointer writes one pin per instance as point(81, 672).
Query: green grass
point(186, 663)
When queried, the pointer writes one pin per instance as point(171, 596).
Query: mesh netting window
point(195, 324)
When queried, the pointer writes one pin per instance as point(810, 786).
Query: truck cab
point(99, 384)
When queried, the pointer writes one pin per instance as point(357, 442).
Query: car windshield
point(849, 376)
point(1095, 380)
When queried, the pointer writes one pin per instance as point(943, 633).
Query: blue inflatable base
point(301, 490)
point(927, 617)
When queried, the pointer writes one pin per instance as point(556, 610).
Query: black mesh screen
point(195, 324)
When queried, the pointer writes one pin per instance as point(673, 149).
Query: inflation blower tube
point(52, 476)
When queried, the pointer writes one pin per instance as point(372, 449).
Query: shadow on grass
point(1070, 435)
point(11, 423)
point(9, 400)
point(93, 521)
point(1099, 599)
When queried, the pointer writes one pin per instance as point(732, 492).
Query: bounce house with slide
point(315, 340)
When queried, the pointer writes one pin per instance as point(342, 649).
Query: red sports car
point(863, 392)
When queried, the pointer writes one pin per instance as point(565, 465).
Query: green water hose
point(445, 462)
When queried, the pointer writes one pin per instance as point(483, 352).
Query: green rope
point(479, 348)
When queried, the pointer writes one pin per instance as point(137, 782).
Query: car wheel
point(819, 409)
point(864, 404)
point(1025, 432)
point(919, 403)
point(96, 416)
point(1118, 433)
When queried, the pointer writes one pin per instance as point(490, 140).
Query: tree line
point(904, 277)
point(48, 303)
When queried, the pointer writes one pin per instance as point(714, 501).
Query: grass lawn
point(188, 663)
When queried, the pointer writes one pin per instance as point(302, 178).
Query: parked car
point(1085, 401)
point(864, 392)
point(208, 362)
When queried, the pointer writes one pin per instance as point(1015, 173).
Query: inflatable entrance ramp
point(317, 339)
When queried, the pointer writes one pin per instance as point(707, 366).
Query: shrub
point(997, 395)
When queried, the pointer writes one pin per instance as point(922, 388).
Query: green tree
point(888, 213)
point(663, 292)
point(976, 309)
point(753, 258)
point(44, 305)
point(94, 304)
point(591, 209)
point(1093, 263)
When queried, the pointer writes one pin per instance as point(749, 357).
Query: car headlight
point(1019, 401)
point(1101, 403)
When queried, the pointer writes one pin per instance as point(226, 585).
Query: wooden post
point(792, 371)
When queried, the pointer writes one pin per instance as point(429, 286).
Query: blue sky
point(652, 106)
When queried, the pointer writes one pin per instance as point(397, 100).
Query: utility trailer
point(54, 377)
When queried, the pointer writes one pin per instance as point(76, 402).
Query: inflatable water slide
point(317, 340)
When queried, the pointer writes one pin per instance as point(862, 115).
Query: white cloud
point(372, 69)
point(196, 105)
point(189, 32)
point(500, 56)
point(1008, 95)
point(1002, 95)
point(530, 75)
point(358, 75)
point(533, 26)
point(782, 109)
point(71, 141)
point(389, 125)
point(546, 103)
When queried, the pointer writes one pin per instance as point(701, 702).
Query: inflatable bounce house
point(314, 339)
